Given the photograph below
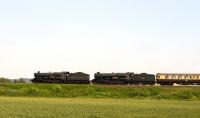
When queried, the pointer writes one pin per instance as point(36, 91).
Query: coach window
point(183, 76)
point(179, 77)
point(173, 77)
point(186, 77)
point(167, 77)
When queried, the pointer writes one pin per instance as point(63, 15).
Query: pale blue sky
point(105, 35)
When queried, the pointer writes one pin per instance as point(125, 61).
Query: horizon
point(99, 36)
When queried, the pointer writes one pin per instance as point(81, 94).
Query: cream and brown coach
point(178, 78)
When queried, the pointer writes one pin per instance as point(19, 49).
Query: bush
point(139, 93)
point(144, 93)
point(31, 90)
point(4, 80)
point(132, 93)
point(186, 94)
point(2, 91)
point(20, 80)
point(56, 88)
point(154, 91)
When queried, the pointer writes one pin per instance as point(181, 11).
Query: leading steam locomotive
point(117, 78)
point(61, 77)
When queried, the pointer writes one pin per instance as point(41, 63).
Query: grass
point(100, 91)
point(20, 107)
point(98, 101)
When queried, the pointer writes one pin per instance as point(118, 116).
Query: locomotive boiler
point(112, 78)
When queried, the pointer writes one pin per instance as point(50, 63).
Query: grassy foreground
point(100, 91)
point(19, 107)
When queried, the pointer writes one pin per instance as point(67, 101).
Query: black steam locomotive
point(123, 78)
point(99, 78)
point(62, 77)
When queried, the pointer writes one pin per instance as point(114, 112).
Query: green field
point(100, 91)
point(19, 107)
point(98, 101)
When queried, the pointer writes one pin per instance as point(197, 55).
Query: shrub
point(2, 91)
point(154, 91)
point(4, 80)
point(31, 90)
point(186, 94)
point(56, 88)
point(144, 93)
point(20, 80)
point(139, 93)
point(132, 93)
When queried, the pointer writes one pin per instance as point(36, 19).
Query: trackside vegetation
point(100, 91)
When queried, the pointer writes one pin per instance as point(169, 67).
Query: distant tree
point(15, 81)
point(21, 80)
point(4, 80)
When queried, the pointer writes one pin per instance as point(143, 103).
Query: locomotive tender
point(118, 78)
point(112, 78)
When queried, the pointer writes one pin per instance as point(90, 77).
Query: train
point(127, 78)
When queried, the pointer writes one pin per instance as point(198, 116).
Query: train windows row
point(178, 77)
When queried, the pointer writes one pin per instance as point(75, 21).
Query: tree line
point(7, 80)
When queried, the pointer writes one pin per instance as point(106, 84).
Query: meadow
point(100, 91)
point(98, 101)
point(22, 107)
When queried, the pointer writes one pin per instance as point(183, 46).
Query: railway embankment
point(101, 91)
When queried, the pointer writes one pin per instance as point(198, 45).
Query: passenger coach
point(177, 78)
